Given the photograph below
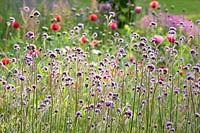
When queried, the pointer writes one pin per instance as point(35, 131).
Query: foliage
point(123, 9)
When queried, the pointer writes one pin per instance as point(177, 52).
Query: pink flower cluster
point(170, 20)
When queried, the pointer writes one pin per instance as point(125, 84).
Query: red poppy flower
point(93, 17)
point(1, 19)
point(15, 25)
point(58, 18)
point(154, 4)
point(95, 43)
point(138, 9)
point(113, 25)
point(83, 40)
point(5, 61)
point(34, 53)
point(55, 27)
point(171, 38)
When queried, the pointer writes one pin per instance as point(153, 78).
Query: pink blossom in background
point(158, 39)
point(105, 6)
point(138, 9)
point(170, 20)
point(113, 25)
point(171, 38)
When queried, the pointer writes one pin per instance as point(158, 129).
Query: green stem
point(134, 97)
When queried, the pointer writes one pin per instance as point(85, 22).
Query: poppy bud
point(93, 17)
point(154, 4)
point(113, 25)
point(55, 27)
point(15, 25)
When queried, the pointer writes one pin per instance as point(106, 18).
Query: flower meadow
point(83, 73)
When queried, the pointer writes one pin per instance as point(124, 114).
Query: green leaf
point(125, 10)
point(122, 18)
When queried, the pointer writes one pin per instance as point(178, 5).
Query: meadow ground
point(67, 68)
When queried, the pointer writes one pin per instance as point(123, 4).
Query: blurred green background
point(192, 7)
